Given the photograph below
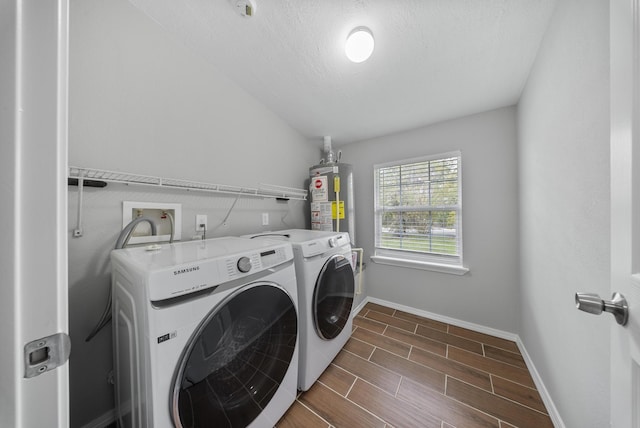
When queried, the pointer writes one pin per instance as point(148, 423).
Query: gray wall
point(488, 295)
point(564, 191)
point(140, 102)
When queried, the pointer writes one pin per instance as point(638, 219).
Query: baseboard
point(544, 394)
point(437, 317)
point(103, 420)
point(542, 390)
point(358, 308)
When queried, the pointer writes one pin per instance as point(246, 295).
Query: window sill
point(435, 267)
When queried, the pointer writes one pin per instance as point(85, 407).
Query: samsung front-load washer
point(205, 334)
point(325, 296)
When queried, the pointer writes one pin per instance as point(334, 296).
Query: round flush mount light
point(359, 45)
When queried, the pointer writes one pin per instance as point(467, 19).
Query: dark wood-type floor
point(401, 370)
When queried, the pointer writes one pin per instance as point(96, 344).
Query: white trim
point(452, 154)
point(358, 308)
point(445, 319)
point(414, 264)
point(102, 421)
point(537, 380)
point(542, 390)
point(419, 259)
point(33, 153)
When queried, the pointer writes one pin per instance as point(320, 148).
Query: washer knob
point(244, 264)
point(333, 242)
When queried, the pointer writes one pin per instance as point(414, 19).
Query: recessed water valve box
point(161, 213)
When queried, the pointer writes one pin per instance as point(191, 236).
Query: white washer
point(205, 333)
point(325, 296)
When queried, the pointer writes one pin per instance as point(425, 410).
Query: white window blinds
point(418, 209)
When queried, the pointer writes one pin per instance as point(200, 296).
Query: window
point(418, 213)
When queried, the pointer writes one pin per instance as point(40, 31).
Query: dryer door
point(236, 359)
point(333, 297)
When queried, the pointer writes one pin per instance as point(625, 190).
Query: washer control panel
point(256, 262)
point(244, 264)
point(188, 267)
point(273, 257)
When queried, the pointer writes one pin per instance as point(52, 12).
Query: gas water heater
point(331, 194)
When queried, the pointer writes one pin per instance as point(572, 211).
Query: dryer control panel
point(321, 245)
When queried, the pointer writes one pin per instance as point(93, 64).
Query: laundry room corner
point(487, 143)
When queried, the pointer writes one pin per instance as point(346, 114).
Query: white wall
point(564, 192)
point(140, 102)
point(144, 103)
point(488, 294)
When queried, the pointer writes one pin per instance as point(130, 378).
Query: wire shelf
point(265, 191)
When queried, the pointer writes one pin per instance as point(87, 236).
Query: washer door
point(236, 359)
point(333, 297)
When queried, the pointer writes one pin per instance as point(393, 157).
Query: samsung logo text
point(186, 270)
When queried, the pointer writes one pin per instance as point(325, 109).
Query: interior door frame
point(33, 191)
point(625, 208)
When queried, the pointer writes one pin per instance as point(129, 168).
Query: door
point(625, 209)
point(236, 359)
point(333, 297)
point(33, 250)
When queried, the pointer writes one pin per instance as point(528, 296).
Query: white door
point(625, 209)
point(33, 213)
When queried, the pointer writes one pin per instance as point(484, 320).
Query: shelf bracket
point(77, 232)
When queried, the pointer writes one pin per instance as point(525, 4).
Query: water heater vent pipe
point(327, 149)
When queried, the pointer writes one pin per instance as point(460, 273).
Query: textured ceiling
point(434, 59)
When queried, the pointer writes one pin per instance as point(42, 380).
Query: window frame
point(452, 264)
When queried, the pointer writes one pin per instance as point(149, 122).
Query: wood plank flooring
point(401, 370)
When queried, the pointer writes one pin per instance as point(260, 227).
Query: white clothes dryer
point(205, 334)
point(325, 296)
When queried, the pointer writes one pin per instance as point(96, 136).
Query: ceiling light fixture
point(359, 45)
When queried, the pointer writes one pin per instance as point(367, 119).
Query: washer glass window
point(333, 297)
point(236, 360)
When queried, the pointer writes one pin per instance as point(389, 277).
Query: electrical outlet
point(201, 222)
point(265, 219)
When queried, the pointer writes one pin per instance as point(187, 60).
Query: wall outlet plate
point(200, 220)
